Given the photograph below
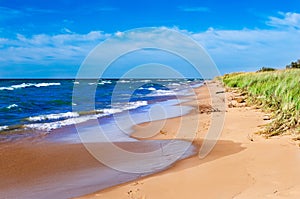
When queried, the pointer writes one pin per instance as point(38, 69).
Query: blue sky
point(52, 38)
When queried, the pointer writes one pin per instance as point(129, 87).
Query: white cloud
point(288, 19)
point(235, 50)
point(46, 49)
point(232, 50)
point(250, 49)
point(119, 34)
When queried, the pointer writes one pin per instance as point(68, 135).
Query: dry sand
point(242, 164)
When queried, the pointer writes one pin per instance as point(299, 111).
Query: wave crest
point(25, 85)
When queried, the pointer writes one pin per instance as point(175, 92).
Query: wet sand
point(60, 170)
point(242, 164)
point(42, 168)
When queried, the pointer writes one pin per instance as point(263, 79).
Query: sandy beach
point(47, 167)
point(242, 164)
point(155, 99)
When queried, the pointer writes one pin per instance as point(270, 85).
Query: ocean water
point(46, 104)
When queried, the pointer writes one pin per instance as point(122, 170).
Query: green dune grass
point(277, 92)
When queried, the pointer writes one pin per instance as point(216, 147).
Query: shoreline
point(242, 165)
point(20, 132)
point(170, 131)
point(31, 165)
point(56, 112)
point(236, 167)
point(51, 170)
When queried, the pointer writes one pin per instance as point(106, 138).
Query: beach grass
point(277, 92)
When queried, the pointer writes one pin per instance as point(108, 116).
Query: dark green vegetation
point(277, 92)
point(265, 69)
point(294, 65)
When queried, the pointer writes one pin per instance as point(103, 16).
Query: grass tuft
point(277, 92)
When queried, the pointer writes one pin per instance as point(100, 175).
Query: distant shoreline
point(56, 159)
point(243, 164)
point(41, 106)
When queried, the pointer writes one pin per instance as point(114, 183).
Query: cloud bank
point(289, 19)
point(232, 50)
point(43, 49)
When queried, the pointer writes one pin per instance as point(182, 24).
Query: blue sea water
point(46, 104)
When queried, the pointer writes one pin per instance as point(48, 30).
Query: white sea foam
point(108, 111)
point(162, 93)
point(2, 128)
point(70, 121)
point(6, 88)
point(174, 84)
point(102, 82)
point(117, 109)
point(145, 81)
point(137, 104)
point(53, 116)
point(12, 106)
point(152, 89)
point(59, 124)
point(166, 80)
point(25, 85)
point(70, 118)
point(47, 84)
point(123, 81)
